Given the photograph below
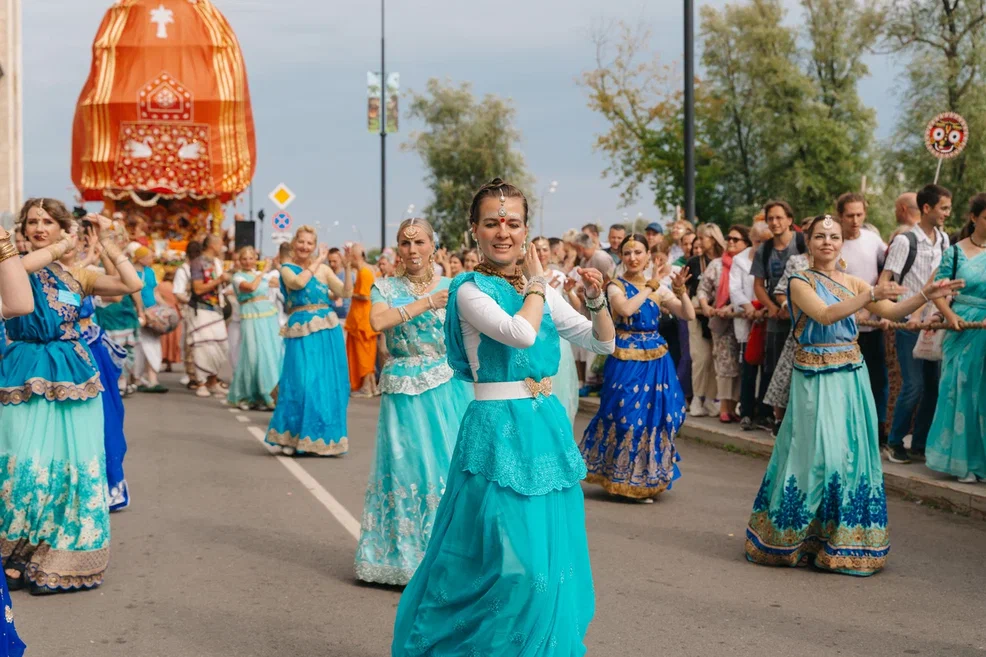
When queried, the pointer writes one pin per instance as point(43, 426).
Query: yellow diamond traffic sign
point(281, 196)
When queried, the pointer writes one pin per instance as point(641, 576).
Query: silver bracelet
point(405, 317)
point(536, 280)
point(925, 296)
point(595, 307)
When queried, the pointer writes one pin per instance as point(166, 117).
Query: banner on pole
point(393, 107)
point(373, 92)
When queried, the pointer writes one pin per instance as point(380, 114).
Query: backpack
point(912, 251)
point(799, 241)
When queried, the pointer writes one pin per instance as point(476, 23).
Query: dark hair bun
point(496, 182)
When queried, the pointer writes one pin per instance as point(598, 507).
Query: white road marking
point(242, 418)
point(338, 511)
point(233, 410)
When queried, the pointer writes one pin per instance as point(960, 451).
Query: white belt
point(503, 390)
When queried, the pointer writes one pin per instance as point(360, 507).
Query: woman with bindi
point(515, 458)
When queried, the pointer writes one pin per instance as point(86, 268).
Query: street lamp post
point(383, 133)
point(690, 110)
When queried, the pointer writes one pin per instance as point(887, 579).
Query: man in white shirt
point(912, 260)
point(864, 252)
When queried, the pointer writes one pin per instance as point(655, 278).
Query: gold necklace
point(516, 280)
point(419, 284)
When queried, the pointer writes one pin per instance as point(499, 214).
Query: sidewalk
point(911, 481)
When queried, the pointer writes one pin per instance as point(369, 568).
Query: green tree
point(794, 125)
point(642, 100)
point(464, 144)
point(945, 72)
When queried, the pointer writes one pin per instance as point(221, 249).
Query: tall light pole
point(690, 110)
point(551, 190)
point(383, 132)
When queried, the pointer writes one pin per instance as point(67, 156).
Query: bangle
point(431, 302)
point(680, 290)
point(537, 280)
point(596, 304)
point(121, 259)
point(873, 294)
point(925, 296)
point(537, 293)
point(405, 317)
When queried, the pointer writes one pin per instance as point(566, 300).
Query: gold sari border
point(53, 391)
point(313, 325)
point(630, 353)
point(57, 569)
point(317, 446)
point(624, 490)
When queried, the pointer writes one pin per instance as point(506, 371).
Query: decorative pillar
point(11, 128)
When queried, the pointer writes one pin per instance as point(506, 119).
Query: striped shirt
point(926, 260)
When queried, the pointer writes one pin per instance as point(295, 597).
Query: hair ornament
point(411, 231)
point(503, 201)
point(631, 243)
point(827, 222)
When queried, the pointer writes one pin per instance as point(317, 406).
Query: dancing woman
point(16, 300)
point(54, 512)
point(261, 345)
point(629, 446)
point(507, 569)
point(822, 499)
point(420, 412)
point(313, 393)
point(957, 439)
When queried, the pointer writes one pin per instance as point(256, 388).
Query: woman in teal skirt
point(16, 300)
point(507, 569)
point(261, 347)
point(54, 507)
point(822, 500)
point(957, 439)
point(420, 412)
point(313, 392)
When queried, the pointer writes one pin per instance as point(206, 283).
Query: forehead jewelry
point(411, 231)
point(503, 210)
point(631, 243)
point(827, 222)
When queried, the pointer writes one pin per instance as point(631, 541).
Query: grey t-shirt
point(773, 272)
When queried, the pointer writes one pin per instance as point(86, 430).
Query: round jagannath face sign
point(946, 135)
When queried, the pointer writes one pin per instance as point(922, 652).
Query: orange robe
point(171, 342)
point(361, 340)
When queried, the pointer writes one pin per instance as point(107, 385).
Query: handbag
point(161, 319)
point(929, 344)
point(755, 344)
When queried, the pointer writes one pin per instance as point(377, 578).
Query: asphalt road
point(226, 552)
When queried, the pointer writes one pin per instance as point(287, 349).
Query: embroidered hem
point(392, 384)
point(810, 361)
point(626, 490)
point(313, 325)
point(307, 445)
point(57, 569)
point(52, 391)
point(260, 315)
point(391, 575)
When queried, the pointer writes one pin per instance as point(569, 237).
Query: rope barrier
point(907, 326)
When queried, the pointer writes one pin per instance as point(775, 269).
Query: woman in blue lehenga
point(629, 446)
point(822, 500)
point(313, 392)
point(507, 569)
point(420, 412)
point(16, 299)
point(261, 346)
point(54, 510)
point(957, 439)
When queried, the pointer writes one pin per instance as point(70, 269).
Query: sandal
point(726, 418)
point(15, 583)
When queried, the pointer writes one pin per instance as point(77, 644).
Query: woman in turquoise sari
point(507, 569)
point(629, 446)
point(313, 392)
point(54, 507)
point(16, 299)
point(261, 347)
point(957, 438)
point(420, 412)
point(822, 500)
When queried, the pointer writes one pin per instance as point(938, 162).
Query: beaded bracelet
point(538, 293)
point(595, 307)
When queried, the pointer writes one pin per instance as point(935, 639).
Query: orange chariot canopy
point(166, 109)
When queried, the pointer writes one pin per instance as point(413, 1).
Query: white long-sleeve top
point(480, 314)
point(741, 291)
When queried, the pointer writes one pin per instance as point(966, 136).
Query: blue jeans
point(919, 392)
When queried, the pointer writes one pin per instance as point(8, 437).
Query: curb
point(910, 482)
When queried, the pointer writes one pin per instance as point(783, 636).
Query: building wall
point(11, 144)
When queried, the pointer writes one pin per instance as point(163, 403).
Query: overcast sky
point(307, 62)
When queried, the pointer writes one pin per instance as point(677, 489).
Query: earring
point(431, 259)
point(811, 261)
point(842, 262)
